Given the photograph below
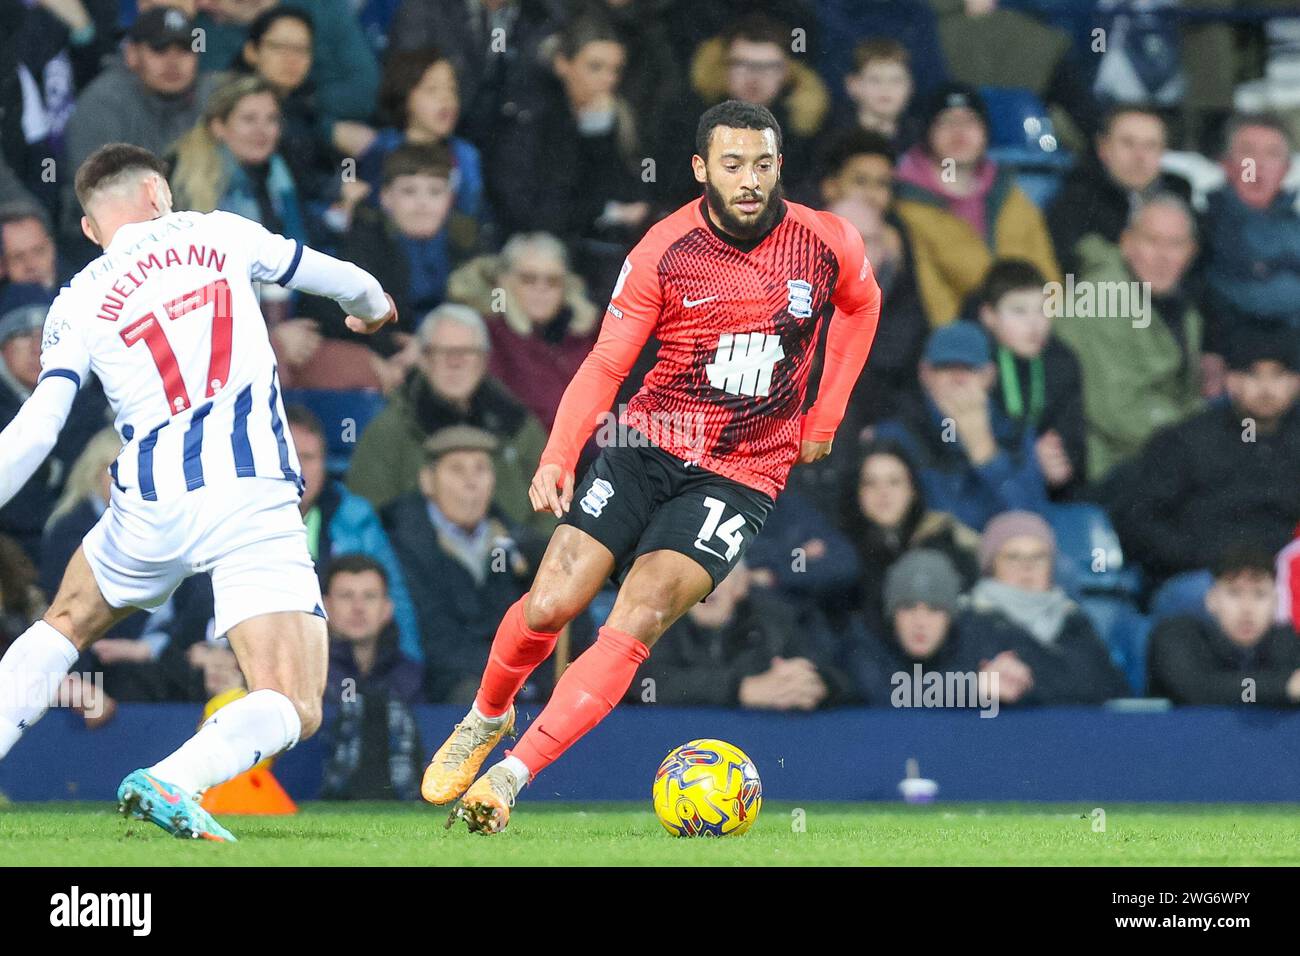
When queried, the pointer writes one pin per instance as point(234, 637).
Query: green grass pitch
point(82, 834)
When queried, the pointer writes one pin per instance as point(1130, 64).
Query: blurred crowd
point(1072, 459)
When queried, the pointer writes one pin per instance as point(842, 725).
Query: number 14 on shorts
point(728, 532)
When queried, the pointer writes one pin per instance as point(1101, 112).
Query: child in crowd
point(881, 88)
point(1039, 383)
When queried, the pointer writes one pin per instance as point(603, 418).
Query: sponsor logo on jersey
point(744, 361)
point(689, 303)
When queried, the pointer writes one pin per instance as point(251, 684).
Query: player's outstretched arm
point(369, 308)
point(289, 263)
point(28, 440)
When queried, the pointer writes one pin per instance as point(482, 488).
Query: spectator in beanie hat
point(1033, 619)
point(961, 209)
point(1015, 524)
point(921, 599)
point(924, 577)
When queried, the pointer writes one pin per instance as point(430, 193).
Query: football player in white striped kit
point(207, 479)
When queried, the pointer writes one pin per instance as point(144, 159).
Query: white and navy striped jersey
point(169, 321)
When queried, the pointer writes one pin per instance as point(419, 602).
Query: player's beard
point(732, 225)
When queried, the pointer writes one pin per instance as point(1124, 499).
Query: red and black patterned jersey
point(738, 328)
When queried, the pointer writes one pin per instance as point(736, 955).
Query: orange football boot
point(457, 762)
point(485, 808)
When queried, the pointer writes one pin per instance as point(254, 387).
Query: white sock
point(233, 739)
point(30, 674)
point(517, 768)
point(494, 721)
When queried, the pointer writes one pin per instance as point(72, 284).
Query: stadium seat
point(1088, 558)
point(1022, 137)
point(1090, 567)
point(1019, 120)
point(1124, 630)
point(344, 415)
point(1182, 594)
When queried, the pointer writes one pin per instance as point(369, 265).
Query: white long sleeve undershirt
point(353, 288)
point(28, 440)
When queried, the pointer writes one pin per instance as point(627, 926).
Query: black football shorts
point(637, 499)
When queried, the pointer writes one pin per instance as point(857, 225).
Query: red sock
point(586, 692)
point(516, 651)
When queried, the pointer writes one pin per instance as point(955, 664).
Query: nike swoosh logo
point(704, 547)
point(172, 798)
point(692, 303)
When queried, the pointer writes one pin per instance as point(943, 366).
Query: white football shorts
point(246, 532)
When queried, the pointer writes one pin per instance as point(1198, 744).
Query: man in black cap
point(152, 99)
point(1225, 474)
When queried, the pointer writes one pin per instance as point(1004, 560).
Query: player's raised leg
point(284, 656)
point(572, 572)
point(660, 588)
point(35, 664)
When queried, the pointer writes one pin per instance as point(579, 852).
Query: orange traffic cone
point(254, 792)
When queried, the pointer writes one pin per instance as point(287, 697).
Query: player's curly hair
point(734, 114)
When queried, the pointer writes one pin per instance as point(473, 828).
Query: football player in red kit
point(735, 286)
